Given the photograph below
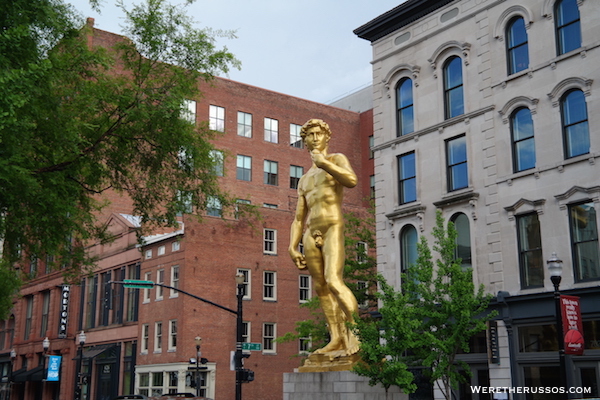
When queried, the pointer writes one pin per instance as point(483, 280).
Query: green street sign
point(252, 346)
point(137, 284)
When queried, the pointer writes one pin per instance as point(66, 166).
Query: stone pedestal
point(334, 385)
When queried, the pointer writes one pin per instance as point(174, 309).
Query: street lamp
point(239, 279)
point(81, 337)
point(555, 270)
point(45, 346)
point(198, 341)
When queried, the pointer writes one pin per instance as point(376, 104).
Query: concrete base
point(337, 385)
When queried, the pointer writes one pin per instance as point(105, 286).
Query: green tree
point(77, 120)
point(428, 322)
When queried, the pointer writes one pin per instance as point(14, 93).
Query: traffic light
point(247, 375)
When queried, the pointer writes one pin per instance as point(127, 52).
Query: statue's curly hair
point(311, 123)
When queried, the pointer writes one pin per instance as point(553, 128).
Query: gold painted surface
point(319, 223)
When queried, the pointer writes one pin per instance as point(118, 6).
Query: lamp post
point(81, 337)
point(555, 270)
point(13, 356)
point(198, 341)
point(239, 279)
point(45, 346)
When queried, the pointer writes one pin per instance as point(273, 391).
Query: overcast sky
point(302, 48)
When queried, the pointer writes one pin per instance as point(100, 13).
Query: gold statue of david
point(319, 222)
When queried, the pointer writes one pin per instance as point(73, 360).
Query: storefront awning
point(95, 351)
point(34, 374)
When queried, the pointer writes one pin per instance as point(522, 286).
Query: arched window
point(463, 239)
point(516, 46)
point(523, 144)
point(575, 123)
point(568, 26)
point(404, 104)
point(408, 247)
point(453, 88)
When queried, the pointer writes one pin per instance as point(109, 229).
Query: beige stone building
point(488, 111)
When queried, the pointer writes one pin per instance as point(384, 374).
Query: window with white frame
point(148, 254)
point(247, 282)
point(304, 287)
point(244, 124)
point(296, 173)
point(175, 246)
point(362, 289)
point(145, 337)
point(270, 241)
point(188, 111)
point(218, 159)
point(160, 278)
point(216, 118)
point(157, 337)
point(304, 344)
point(173, 335)
point(244, 168)
point(295, 138)
point(362, 249)
point(213, 206)
point(246, 332)
point(161, 251)
point(269, 334)
point(269, 285)
point(271, 130)
point(271, 173)
point(174, 281)
point(147, 277)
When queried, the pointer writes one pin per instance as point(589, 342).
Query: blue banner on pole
point(53, 368)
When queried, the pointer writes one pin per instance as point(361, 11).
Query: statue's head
point(315, 123)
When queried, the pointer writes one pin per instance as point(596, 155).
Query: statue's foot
point(334, 345)
point(353, 345)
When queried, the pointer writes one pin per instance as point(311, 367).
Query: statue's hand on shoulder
point(298, 259)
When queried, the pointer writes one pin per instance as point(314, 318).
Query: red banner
point(572, 324)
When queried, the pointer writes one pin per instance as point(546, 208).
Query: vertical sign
point(53, 368)
point(493, 347)
point(64, 312)
point(572, 324)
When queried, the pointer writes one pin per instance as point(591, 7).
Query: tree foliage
point(78, 120)
point(428, 322)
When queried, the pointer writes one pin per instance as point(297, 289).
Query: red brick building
point(142, 340)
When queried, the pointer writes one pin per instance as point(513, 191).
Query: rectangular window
point(172, 335)
point(269, 334)
point(116, 293)
point(304, 345)
point(28, 316)
point(295, 138)
point(148, 254)
point(584, 241)
point(161, 251)
point(157, 384)
point(407, 178)
point(456, 162)
point(133, 272)
point(104, 306)
point(244, 124)
point(271, 130)
point(145, 337)
point(296, 173)
point(90, 305)
point(362, 249)
point(271, 173)
point(216, 118)
point(270, 285)
point(217, 158)
point(372, 187)
point(246, 332)
point(244, 168)
point(175, 246)
point(240, 207)
point(304, 286)
point(45, 312)
point(371, 144)
point(247, 282)
point(188, 111)
point(531, 259)
point(174, 281)
point(213, 206)
point(270, 241)
point(157, 337)
point(147, 277)
point(160, 278)
point(362, 296)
